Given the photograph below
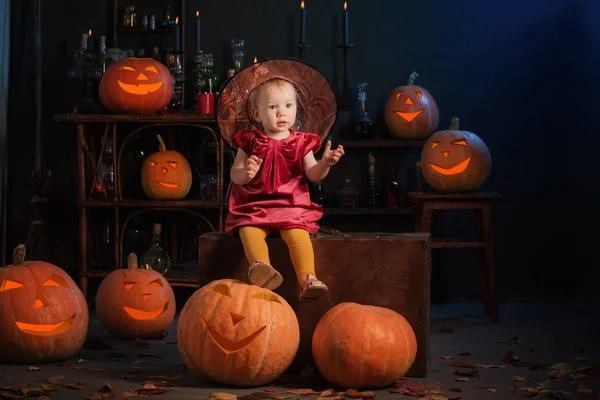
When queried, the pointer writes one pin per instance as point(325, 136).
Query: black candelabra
point(301, 47)
point(344, 98)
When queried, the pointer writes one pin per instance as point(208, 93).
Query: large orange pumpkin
point(166, 175)
point(360, 346)
point(455, 160)
point(411, 112)
point(136, 86)
point(43, 314)
point(135, 303)
point(237, 334)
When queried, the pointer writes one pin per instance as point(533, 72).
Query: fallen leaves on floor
point(33, 369)
point(424, 391)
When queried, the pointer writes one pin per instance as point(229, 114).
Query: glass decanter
point(363, 125)
point(237, 45)
point(156, 258)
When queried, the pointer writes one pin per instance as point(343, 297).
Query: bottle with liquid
point(156, 258)
point(167, 22)
point(209, 80)
point(362, 126)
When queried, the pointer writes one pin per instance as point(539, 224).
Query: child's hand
point(252, 166)
point(331, 157)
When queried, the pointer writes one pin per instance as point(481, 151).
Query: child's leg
point(303, 258)
point(260, 273)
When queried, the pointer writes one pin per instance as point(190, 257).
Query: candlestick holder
point(301, 47)
point(175, 65)
point(344, 97)
point(197, 70)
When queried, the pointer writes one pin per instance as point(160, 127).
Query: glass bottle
point(363, 125)
point(392, 194)
point(136, 238)
point(156, 258)
point(346, 195)
point(373, 199)
point(129, 17)
point(105, 181)
point(318, 195)
point(237, 46)
point(174, 105)
point(167, 22)
point(230, 74)
point(155, 54)
point(208, 80)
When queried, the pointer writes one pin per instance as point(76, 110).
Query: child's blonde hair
point(277, 82)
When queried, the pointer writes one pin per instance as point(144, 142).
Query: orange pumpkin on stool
point(44, 315)
point(136, 86)
point(237, 334)
point(166, 175)
point(135, 303)
point(454, 161)
point(411, 112)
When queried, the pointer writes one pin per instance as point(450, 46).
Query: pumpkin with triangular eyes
point(455, 161)
point(135, 303)
point(166, 175)
point(43, 314)
point(136, 86)
point(411, 112)
point(237, 334)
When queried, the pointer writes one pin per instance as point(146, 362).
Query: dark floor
point(541, 335)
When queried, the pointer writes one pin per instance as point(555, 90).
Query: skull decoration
point(411, 112)
point(44, 315)
point(166, 175)
point(237, 334)
point(455, 161)
point(135, 303)
point(136, 86)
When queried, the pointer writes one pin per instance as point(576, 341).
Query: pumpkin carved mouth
point(409, 116)
point(229, 345)
point(144, 315)
point(457, 169)
point(45, 329)
point(168, 185)
point(140, 89)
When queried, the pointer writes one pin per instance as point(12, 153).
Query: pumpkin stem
point(132, 261)
point(454, 124)
point(161, 143)
point(19, 255)
point(412, 77)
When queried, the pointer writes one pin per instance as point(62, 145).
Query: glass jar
point(129, 17)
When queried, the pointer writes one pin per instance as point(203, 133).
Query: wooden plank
point(446, 243)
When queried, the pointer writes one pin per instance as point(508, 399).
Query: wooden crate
point(387, 270)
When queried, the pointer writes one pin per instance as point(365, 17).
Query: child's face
point(276, 108)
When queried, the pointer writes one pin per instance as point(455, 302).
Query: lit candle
point(177, 34)
point(302, 23)
point(197, 31)
point(345, 22)
point(90, 42)
point(255, 60)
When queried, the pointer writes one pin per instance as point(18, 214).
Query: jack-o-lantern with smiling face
point(237, 334)
point(411, 112)
point(135, 303)
point(166, 175)
point(455, 161)
point(43, 314)
point(136, 86)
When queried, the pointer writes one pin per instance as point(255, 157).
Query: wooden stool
point(426, 203)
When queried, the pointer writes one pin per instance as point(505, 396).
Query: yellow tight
point(297, 241)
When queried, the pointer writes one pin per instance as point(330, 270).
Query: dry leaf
point(32, 368)
point(97, 396)
point(8, 395)
point(356, 394)
point(222, 396)
point(255, 396)
point(81, 361)
point(510, 357)
point(126, 395)
point(491, 366)
point(463, 364)
point(328, 393)
point(280, 397)
point(158, 383)
point(433, 397)
point(77, 386)
point(169, 376)
point(270, 390)
point(466, 372)
point(461, 379)
point(447, 357)
point(31, 392)
point(149, 390)
point(580, 377)
point(524, 392)
point(47, 387)
point(56, 380)
point(302, 391)
point(518, 378)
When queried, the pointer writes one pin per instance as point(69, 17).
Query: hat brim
point(317, 108)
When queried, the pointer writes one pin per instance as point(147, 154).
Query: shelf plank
point(446, 243)
point(155, 203)
point(367, 210)
point(151, 118)
point(178, 276)
point(382, 143)
point(142, 30)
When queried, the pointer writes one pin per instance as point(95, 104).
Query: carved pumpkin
point(135, 303)
point(360, 346)
point(166, 175)
point(237, 334)
point(43, 314)
point(455, 161)
point(136, 86)
point(411, 112)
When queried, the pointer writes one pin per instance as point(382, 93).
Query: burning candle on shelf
point(177, 35)
point(255, 60)
point(90, 42)
point(345, 22)
point(197, 31)
point(302, 23)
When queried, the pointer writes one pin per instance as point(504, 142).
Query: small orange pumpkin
point(411, 112)
point(43, 314)
point(136, 86)
point(237, 334)
point(166, 175)
point(360, 346)
point(455, 160)
point(135, 303)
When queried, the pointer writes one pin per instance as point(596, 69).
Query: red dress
point(277, 197)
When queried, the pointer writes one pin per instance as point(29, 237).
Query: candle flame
point(255, 60)
point(302, 5)
point(176, 20)
point(90, 32)
point(345, 5)
point(197, 14)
